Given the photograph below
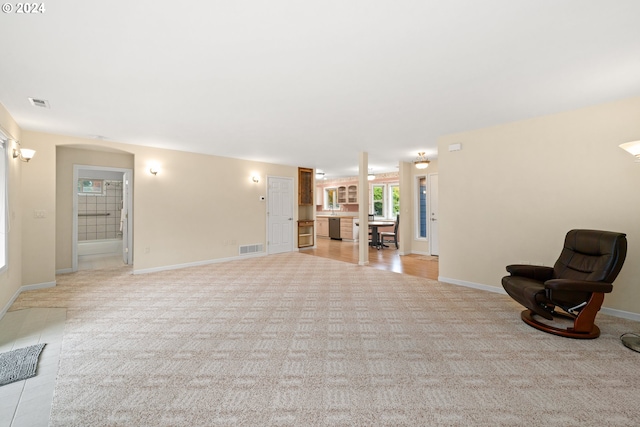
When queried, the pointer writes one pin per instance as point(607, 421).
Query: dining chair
point(393, 236)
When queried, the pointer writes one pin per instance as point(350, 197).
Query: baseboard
point(197, 263)
point(64, 271)
point(473, 285)
point(24, 288)
point(420, 253)
point(610, 311)
point(620, 313)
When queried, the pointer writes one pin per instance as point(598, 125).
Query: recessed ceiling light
point(39, 103)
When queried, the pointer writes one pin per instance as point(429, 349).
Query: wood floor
point(384, 259)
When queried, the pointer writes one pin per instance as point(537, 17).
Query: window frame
point(326, 198)
point(421, 193)
point(387, 199)
point(374, 201)
point(4, 202)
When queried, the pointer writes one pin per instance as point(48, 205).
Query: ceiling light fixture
point(422, 162)
point(632, 148)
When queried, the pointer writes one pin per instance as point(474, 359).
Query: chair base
point(527, 317)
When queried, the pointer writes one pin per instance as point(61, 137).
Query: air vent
point(250, 249)
point(39, 103)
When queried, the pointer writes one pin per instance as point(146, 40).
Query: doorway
point(102, 217)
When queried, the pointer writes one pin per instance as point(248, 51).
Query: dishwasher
point(334, 228)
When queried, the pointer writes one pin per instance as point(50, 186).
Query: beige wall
point(198, 208)
point(11, 277)
point(66, 158)
point(514, 190)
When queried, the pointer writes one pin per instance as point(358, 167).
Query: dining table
point(374, 225)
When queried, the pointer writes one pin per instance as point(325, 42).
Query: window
point(3, 201)
point(394, 201)
point(94, 187)
point(422, 207)
point(378, 200)
point(385, 200)
point(331, 198)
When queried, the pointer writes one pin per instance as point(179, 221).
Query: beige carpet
point(297, 340)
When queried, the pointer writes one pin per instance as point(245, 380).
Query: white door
point(433, 214)
point(124, 218)
point(280, 215)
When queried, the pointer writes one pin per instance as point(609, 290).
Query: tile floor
point(27, 403)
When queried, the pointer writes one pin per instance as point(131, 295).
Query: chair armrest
point(536, 272)
point(578, 285)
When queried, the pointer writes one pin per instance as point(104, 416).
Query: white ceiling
point(311, 83)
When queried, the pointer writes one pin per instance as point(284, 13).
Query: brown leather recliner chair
point(588, 264)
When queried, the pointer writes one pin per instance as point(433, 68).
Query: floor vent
point(250, 249)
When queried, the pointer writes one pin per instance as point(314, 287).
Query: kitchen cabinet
point(319, 196)
point(346, 228)
point(342, 195)
point(348, 194)
point(323, 227)
point(305, 187)
point(352, 193)
point(305, 233)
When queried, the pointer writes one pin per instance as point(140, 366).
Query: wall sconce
point(422, 162)
point(632, 148)
point(371, 176)
point(154, 169)
point(319, 175)
point(255, 178)
point(24, 154)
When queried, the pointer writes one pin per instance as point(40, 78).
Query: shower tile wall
point(94, 227)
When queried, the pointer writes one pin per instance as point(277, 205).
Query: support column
point(363, 211)
point(405, 233)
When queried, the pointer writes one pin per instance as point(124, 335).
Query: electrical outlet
point(39, 214)
point(147, 250)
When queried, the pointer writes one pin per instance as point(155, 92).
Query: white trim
point(24, 288)
point(430, 211)
point(421, 252)
point(197, 263)
point(74, 231)
point(416, 204)
point(610, 311)
point(473, 285)
point(6, 224)
point(620, 313)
